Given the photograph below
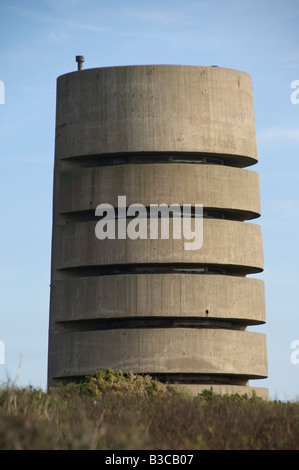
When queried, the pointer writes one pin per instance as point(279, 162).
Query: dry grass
point(111, 411)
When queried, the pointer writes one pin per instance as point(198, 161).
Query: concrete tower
point(157, 134)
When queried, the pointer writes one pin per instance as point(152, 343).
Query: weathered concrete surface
point(149, 111)
point(160, 295)
point(156, 108)
point(161, 350)
point(213, 186)
point(225, 242)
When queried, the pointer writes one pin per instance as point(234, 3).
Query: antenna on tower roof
point(80, 59)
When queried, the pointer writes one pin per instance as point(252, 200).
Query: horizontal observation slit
point(88, 215)
point(110, 160)
point(94, 160)
point(87, 271)
point(148, 322)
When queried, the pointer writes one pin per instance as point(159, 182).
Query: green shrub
point(112, 410)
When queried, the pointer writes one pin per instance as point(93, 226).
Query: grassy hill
point(112, 411)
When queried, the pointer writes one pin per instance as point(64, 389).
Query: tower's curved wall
point(159, 108)
point(158, 134)
point(230, 190)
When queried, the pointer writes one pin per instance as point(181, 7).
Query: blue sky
point(39, 41)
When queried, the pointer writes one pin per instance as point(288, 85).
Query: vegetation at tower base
point(111, 410)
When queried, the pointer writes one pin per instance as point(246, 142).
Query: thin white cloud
point(58, 4)
point(288, 60)
point(279, 133)
point(288, 207)
point(60, 21)
point(56, 37)
point(165, 17)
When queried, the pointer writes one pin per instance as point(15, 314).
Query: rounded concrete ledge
point(213, 186)
point(156, 108)
point(159, 295)
point(164, 350)
point(260, 392)
point(225, 243)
